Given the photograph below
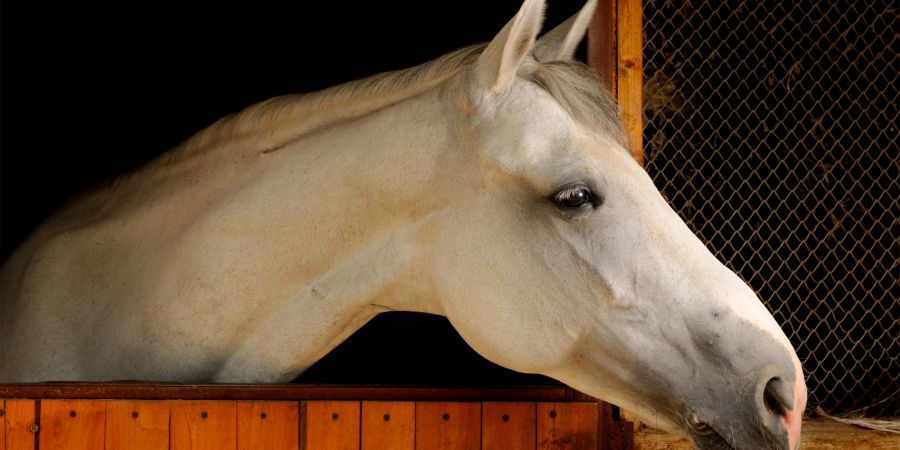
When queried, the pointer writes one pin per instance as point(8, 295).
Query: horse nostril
point(778, 397)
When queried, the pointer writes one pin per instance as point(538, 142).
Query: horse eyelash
point(565, 194)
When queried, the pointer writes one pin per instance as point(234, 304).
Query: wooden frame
point(614, 53)
point(163, 391)
point(192, 416)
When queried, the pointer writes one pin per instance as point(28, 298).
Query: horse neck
point(343, 218)
point(345, 209)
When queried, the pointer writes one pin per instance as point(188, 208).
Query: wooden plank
point(137, 425)
point(620, 435)
point(72, 424)
point(268, 425)
point(203, 425)
point(20, 418)
point(816, 434)
point(606, 431)
point(168, 391)
point(3, 424)
point(602, 43)
point(448, 426)
point(567, 426)
point(388, 425)
point(330, 425)
point(508, 426)
point(630, 72)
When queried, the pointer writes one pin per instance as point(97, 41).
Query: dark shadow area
point(401, 348)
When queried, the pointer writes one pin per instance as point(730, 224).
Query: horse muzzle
point(772, 422)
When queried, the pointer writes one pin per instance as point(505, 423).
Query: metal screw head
point(203, 414)
point(335, 416)
point(134, 414)
point(263, 415)
point(506, 418)
point(553, 414)
point(72, 413)
point(387, 417)
point(446, 417)
point(34, 428)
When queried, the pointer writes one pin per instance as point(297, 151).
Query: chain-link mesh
point(771, 127)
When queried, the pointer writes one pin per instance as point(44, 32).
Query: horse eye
point(573, 197)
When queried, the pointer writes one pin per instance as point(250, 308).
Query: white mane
point(283, 119)
point(275, 122)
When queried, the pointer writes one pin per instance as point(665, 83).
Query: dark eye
point(573, 197)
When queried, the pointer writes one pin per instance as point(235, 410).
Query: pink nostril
point(786, 401)
point(793, 417)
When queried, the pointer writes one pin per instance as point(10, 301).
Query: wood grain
point(268, 425)
point(203, 425)
point(602, 43)
point(3, 424)
point(448, 426)
point(567, 426)
point(330, 425)
point(19, 415)
point(137, 425)
point(630, 73)
point(72, 424)
point(388, 425)
point(508, 426)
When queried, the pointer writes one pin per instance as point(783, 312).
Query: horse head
point(565, 260)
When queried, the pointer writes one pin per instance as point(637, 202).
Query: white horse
point(490, 186)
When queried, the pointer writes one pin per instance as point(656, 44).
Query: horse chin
point(712, 441)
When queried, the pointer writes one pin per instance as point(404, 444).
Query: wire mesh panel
point(771, 127)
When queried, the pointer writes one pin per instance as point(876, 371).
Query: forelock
point(581, 93)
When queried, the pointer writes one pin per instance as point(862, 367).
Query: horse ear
point(498, 64)
point(559, 44)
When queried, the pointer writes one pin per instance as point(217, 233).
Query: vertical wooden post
point(614, 53)
point(630, 73)
point(602, 43)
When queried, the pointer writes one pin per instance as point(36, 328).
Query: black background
point(90, 91)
